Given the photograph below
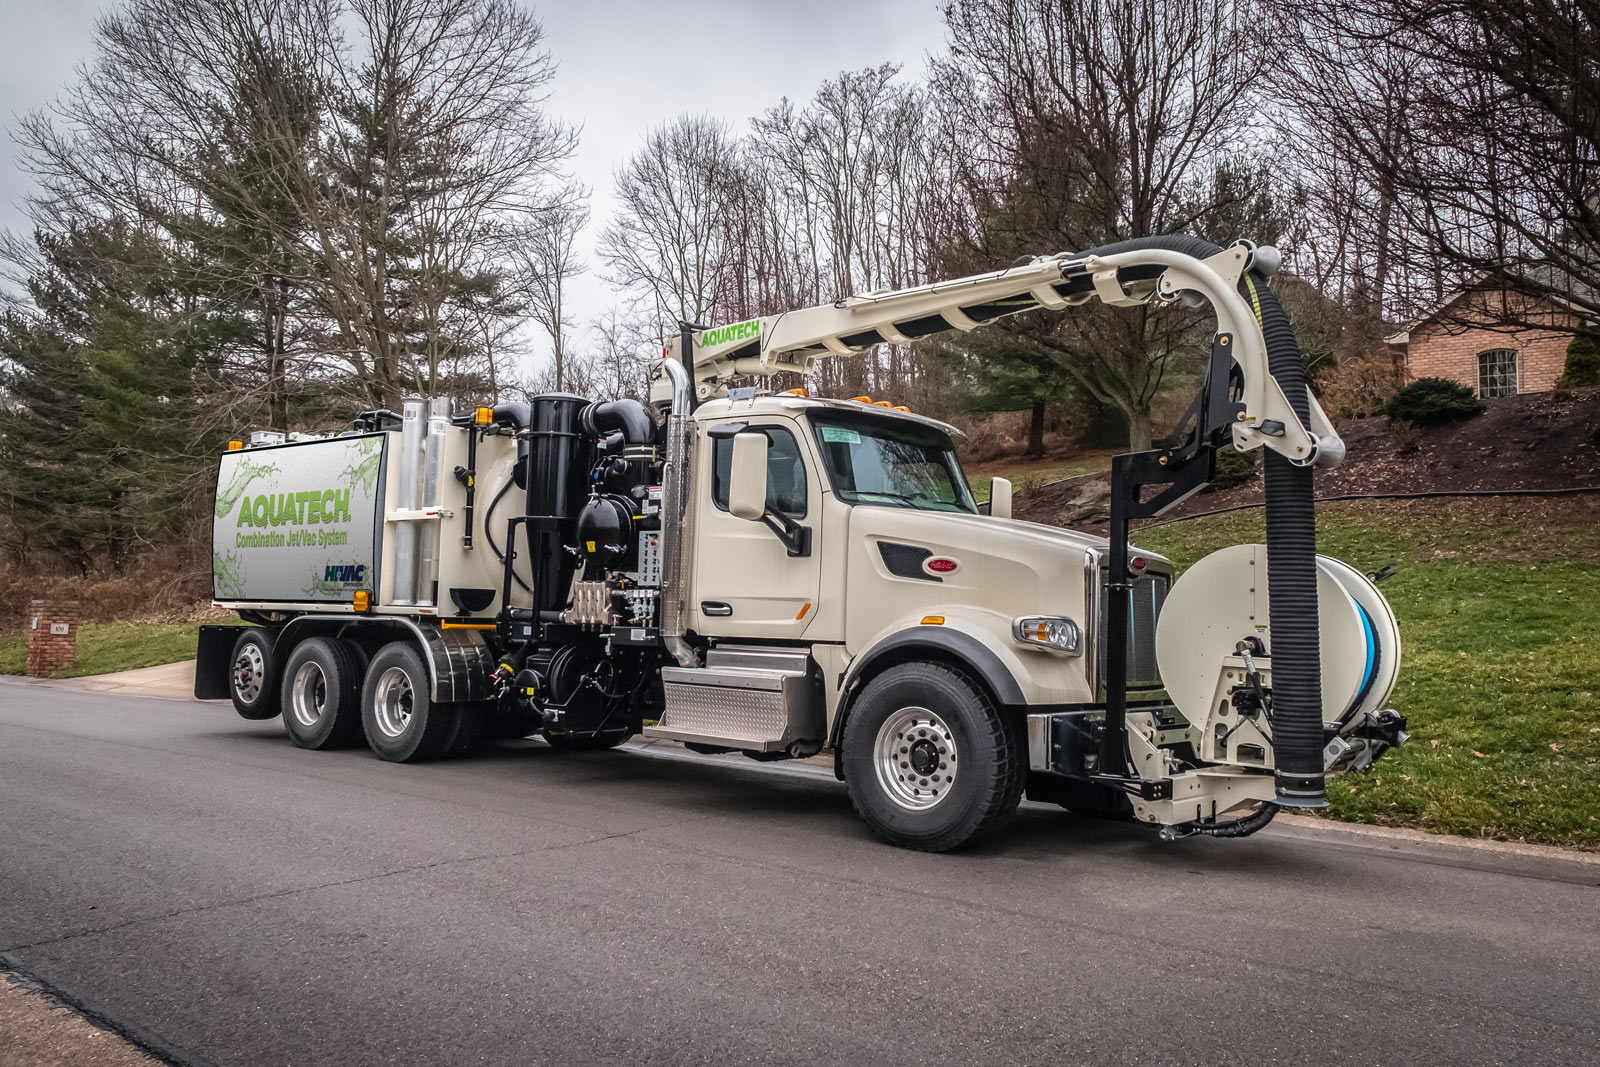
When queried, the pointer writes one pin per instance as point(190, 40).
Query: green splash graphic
point(246, 472)
point(227, 571)
point(364, 471)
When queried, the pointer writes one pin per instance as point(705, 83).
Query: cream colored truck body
point(749, 644)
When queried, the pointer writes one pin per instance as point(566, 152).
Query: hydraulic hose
point(1291, 541)
point(1243, 826)
point(488, 531)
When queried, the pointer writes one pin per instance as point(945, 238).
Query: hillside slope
point(1538, 441)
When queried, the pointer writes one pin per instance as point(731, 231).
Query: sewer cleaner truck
point(766, 572)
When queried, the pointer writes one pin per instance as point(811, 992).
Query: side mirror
point(747, 477)
point(999, 498)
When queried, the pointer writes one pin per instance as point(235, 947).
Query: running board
point(746, 697)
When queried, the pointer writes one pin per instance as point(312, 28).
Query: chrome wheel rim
point(915, 755)
point(392, 702)
point(308, 694)
point(249, 673)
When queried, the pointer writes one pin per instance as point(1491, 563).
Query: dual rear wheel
point(328, 697)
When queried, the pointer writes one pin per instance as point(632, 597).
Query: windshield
point(891, 463)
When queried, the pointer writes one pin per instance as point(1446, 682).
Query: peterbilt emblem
point(940, 565)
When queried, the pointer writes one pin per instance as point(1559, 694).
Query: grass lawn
point(1499, 609)
point(111, 646)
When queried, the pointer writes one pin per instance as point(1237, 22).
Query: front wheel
point(930, 761)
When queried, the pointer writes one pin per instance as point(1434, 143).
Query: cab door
point(745, 582)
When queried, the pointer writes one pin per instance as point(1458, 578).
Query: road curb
point(140, 1038)
point(1314, 826)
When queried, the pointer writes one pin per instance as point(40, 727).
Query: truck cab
point(868, 535)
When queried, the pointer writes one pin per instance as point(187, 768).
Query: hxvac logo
point(344, 573)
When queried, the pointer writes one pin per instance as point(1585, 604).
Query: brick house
point(1495, 339)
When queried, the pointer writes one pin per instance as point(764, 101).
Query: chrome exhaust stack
point(676, 530)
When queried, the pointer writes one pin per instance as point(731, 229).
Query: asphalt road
point(195, 876)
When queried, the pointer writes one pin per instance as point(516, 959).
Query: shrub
point(1434, 401)
point(1234, 468)
point(1583, 362)
point(1360, 386)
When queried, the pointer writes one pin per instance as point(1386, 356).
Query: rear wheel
point(402, 724)
point(930, 761)
point(469, 728)
point(321, 694)
point(253, 675)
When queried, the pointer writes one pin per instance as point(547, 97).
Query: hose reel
point(1222, 601)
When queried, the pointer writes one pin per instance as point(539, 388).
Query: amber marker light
point(362, 601)
point(483, 416)
point(933, 620)
point(234, 446)
point(861, 400)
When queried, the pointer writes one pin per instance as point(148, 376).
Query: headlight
point(1055, 632)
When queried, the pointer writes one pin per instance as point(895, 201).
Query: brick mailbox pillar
point(52, 636)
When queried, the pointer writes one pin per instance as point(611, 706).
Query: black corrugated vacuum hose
point(1291, 546)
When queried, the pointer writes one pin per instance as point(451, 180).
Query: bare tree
point(385, 145)
point(1493, 164)
point(548, 256)
point(1090, 121)
point(668, 241)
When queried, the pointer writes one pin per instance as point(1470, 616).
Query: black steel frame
point(1181, 468)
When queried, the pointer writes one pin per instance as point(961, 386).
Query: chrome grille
point(1149, 593)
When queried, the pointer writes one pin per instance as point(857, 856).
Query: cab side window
point(786, 472)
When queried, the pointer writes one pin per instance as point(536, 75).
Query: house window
point(1497, 372)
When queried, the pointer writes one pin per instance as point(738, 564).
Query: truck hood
point(906, 563)
point(984, 533)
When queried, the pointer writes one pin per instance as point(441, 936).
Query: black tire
point(927, 804)
point(402, 723)
point(470, 721)
point(321, 694)
point(253, 675)
point(583, 741)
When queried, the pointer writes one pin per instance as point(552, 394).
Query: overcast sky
point(625, 66)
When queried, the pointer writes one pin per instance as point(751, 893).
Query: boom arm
point(794, 340)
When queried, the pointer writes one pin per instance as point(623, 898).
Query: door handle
point(715, 607)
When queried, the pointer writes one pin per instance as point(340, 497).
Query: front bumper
point(1066, 745)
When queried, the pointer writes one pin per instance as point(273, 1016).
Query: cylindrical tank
point(557, 450)
point(404, 583)
point(428, 535)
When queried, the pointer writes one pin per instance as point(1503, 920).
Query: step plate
point(752, 710)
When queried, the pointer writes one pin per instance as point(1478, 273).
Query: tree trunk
point(277, 377)
point(1139, 430)
point(1036, 430)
